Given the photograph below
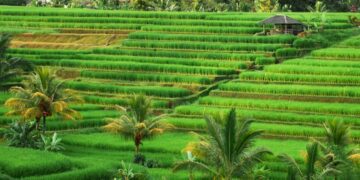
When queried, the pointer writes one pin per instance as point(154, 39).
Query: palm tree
point(338, 139)
point(229, 149)
point(10, 67)
point(137, 123)
point(42, 96)
point(317, 166)
point(191, 164)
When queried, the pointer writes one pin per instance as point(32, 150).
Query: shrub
point(285, 53)
point(265, 60)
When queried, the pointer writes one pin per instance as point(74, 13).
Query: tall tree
point(42, 96)
point(136, 124)
point(229, 147)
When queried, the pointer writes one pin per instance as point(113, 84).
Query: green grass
point(283, 39)
point(147, 90)
point(285, 89)
point(203, 45)
point(182, 54)
point(20, 162)
point(258, 76)
point(258, 115)
point(284, 105)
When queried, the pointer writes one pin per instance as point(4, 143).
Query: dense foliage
point(197, 5)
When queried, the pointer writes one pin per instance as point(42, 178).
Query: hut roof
point(280, 19)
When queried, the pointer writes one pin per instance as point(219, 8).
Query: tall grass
point(323, 63)
point(343, 53)
point(299, 78)
point(20, 162)
point(134, 66)
point(152, 77)
point(147, 90)
point(203, 45)
point(213, 29)
point(284, 105)
point(302, 69)
point(280, 39)
point(176, 54)
point(292, 89)
point(261, 115)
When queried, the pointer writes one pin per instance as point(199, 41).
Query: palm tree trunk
point(37, 123)
point(44, 124)
point(137, 141)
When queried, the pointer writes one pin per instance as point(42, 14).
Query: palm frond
point(291, 163)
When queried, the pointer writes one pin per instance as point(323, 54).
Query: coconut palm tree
point(338, 139)
point(42, 96)
point(317, 166)
point(229, 148)
point(191, 164)
point(136, 123)
point(10, 67)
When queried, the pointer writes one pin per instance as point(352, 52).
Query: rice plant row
point(203, 45)
point(183, 54)
point(262, 115)
point(147, 90)
point(322, 63)
point(299, 78)
point(343, 53)
point(118, 101)
point(152, 77)
point(280, 39)
point(301, 69)
point(125, 20)
point(212, 29)
point(30, 11)
point(142, 59)
point(69, 25)
point(284, 105)
point(311, 90)
point(33, 51)
point(134, 66)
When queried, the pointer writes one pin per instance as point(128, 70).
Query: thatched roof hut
point(284, 24)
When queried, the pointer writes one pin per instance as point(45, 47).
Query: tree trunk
point(44, 124)
point(137, 141)
point(37, 123)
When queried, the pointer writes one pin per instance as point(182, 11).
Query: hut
point(283, 25)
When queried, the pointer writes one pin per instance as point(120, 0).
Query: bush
point(305, 43)
point(13, 2)
point(265, 60)
point(285, 53)
point(139, 159)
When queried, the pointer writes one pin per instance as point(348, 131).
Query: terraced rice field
point(191, 64)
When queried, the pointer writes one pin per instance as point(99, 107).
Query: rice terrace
point(179, 89)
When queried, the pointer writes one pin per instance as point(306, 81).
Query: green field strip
point(263, 115)
point(242, 47)
point(323, 63)
point(129, 20)
point(135, 66)
point(287, 89)
point(147, 90)
point(278, 39)
point(302, 69)
point(180, 54)
point(146, 77)
point(338, 53)
point(212, 29)
point(263, 77)
point(345, 109)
